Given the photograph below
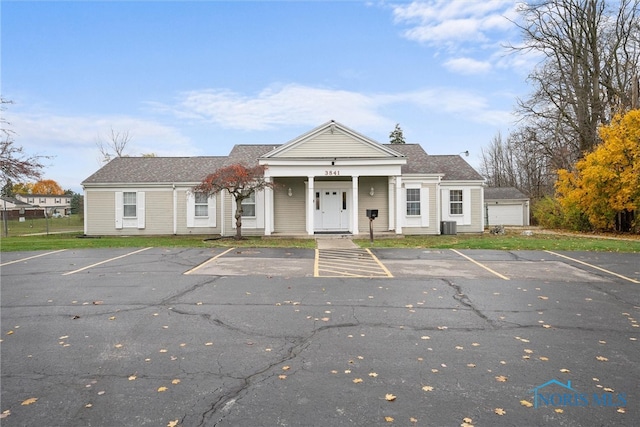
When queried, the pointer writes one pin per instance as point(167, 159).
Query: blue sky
point(195, 78)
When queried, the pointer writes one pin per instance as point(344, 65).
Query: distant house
point(54, 205)
point(325, 181)
point(506, 206)
point(16, 209)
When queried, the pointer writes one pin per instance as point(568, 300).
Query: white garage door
point(505, 214)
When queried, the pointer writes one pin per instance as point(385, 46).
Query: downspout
point(222, 214)
point(175, 210)
point(85, 212)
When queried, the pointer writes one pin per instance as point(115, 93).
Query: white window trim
point(460, 219)
point(194, 221)
point(250, 221)
point(135, 222)
point(421, 220)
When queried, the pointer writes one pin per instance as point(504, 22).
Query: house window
point(455, 202)
point(42, 200)
point(413, 201)
point(129, 204)
point(58, 201)
point(201, 204)
point(317, 200)
point(30, 200)
point(249, 206)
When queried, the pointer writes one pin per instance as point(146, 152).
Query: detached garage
point(506, 206)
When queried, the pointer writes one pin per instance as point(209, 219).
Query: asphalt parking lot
point(258, 337)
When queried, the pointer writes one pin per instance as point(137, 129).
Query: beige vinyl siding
point(230, 221)
point(378, 201)
point(337, 144)
point(290, 212)
point(158, 213)
point(182, 217)
point(434, 225)
point(477, 216)
point(101, 212)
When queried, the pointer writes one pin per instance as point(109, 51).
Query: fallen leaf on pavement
point(161, 389)
point(389, 397)
point(499, 411)
point(29, 401)
point(388, 419)
point(526, 403)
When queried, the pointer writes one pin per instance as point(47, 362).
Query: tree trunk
point(238, 218)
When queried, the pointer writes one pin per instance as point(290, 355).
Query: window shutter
point(140, 209)
point(212, 211)
point(191, 209)
point(119, 209)
point(466, 206)
point(424, 206)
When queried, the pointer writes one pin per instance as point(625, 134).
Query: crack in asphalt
point(461, 297)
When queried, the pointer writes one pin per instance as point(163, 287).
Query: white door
point(331, 211)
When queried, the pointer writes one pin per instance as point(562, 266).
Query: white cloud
point(297, 105)
point(453, 21)
point(467, 66)
point(276, 106)
point(42, 131)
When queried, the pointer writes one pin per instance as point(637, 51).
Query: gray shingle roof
point(194, 169)
point(502, 193)
point(156, 169)
point(453, 167)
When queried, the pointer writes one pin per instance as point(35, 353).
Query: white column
point(268, 209)
point(391, 196)
point(354, 203)
point(311, 194)
point(400, 210)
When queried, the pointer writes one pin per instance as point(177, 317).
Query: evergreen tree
point(396, 136)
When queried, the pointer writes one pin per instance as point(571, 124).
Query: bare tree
point(591, 51)
point(114, 146)
point(15, 164)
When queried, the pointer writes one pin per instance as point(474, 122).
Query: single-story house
point(324, 181)
point(506, 206)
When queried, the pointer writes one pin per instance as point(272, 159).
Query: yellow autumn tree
point(605, 185)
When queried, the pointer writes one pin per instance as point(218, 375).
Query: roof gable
point(332, 140)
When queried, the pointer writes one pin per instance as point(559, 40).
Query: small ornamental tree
point(240, 181)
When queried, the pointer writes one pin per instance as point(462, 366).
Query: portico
point(340, 172)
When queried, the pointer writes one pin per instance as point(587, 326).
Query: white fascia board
point(367, 169)
point(332, 162)
point(474, 183)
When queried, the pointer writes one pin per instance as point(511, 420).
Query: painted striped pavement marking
point(105, 261)
point(480, 265)
point(31, 257)
point(348, 263)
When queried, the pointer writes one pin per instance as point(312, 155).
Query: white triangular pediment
point(332, 140)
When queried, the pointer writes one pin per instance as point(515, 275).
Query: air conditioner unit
point(448, 227)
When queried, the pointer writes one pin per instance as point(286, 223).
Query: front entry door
point(331, 211)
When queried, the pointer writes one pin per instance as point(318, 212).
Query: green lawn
point(510, 241)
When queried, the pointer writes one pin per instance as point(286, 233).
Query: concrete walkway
point(335, 243)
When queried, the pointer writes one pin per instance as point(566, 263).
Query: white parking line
point(594, 266)
point(198, 267)
point(481, 265)
point(104, 262)
point(31, 257)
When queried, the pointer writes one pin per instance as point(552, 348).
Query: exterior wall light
point(372, 192)
point(289, 192)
